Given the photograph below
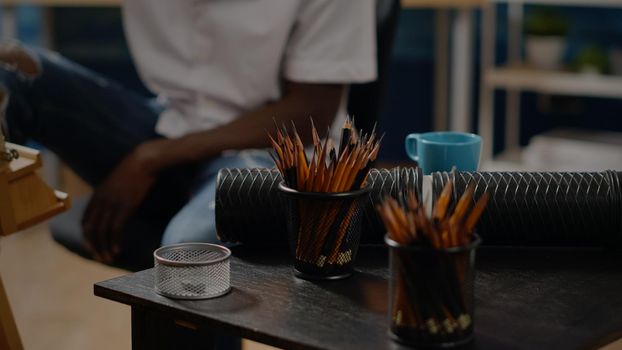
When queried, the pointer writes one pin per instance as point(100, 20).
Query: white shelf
point(584, 3)
point(509, 160)
point(563, 149)
point(558, 83)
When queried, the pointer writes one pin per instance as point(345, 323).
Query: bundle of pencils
point(329, 170)
point(324, 224)
point(432, 291)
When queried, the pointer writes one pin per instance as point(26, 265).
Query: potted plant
point(592, 60)
point(545, 41)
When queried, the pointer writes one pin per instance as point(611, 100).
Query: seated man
point(223, 71)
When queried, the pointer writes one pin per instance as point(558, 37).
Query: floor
point(51, 293)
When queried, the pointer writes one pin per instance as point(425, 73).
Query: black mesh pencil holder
point(324, 231)
point(431, 294)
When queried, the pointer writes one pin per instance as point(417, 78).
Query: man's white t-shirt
point(212, 60)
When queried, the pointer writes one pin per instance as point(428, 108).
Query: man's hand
point(126, 187)
point(115, 200)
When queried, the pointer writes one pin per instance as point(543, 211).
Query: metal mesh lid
point(191, 254)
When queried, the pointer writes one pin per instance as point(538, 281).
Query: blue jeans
point(92, 123)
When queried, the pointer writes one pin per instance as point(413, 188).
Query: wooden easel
point(25, 200)
point(30, 199)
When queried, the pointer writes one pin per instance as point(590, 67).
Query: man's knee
point(19, 68)
point(16, 58)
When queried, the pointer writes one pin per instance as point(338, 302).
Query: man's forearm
point(300, 102)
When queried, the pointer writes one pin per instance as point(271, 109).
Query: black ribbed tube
point(544, 208)
point(249, 208)
point(526, 208)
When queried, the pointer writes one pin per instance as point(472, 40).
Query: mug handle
point(411, 146)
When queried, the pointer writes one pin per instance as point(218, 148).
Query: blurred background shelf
point(514, 77)
point(552, 82)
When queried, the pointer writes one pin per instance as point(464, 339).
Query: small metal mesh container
point(192, 270)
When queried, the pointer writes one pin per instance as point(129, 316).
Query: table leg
point(9, 23)
point(9, 337)
point(441, 66)
point(486, 104)
point(152, 330)
point(512, 120)
point(461, 70)
point(512, 114)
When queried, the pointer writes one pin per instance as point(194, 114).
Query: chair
point(365, 101)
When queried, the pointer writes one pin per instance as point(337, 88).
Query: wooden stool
point(25, 200)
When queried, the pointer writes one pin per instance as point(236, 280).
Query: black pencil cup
point(431, 294)
point(324, 231)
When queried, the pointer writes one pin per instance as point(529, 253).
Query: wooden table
point(529, 299)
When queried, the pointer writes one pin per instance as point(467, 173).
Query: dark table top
point(525, 299)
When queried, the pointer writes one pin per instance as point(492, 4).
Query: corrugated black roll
point(561, 209)
point(249, 208)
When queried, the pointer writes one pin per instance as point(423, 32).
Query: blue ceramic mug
point(441, 151)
